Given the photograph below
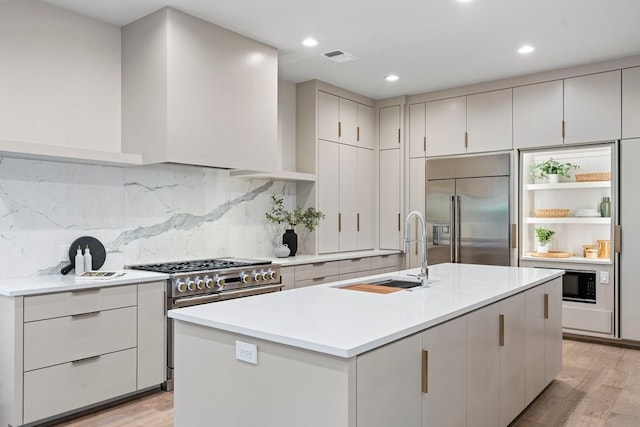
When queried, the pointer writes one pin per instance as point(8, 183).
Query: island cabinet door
point(483, 367)
point(444, 365)
point(534, 342)
point(552, 329)
point(388, 385)
point(511, 345)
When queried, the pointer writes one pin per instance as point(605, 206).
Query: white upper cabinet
point(390, 127)
point(366, 215)
point(417, 130)
point(489, 121)
point(537, 115)
point(348, 124)
point(347, 195)
point(592, 108)
point(328, 116)
point(389, 176)
point(366, 126)
point(60, 84)
point(196, 93)
point(328, 189)
point(631, 102)
point(446, 124)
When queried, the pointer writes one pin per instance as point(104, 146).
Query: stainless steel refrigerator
point(468, 209)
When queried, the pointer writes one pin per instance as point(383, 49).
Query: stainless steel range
point(210, 280)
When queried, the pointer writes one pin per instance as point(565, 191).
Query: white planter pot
point(542, 248)
point(553, 178)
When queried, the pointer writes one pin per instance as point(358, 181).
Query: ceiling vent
point(339, 56)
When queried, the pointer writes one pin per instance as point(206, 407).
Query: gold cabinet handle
point(358, 132)
point(339, 222)
point(424, 144)
point(617, 238)
point(339, 129)
point(546, 306)
point(501, 327)
point(514, 236)
point(398, 222)
point(466, 140)
point(563, 127)
point(425, 371)
point(398, 135)
point(358, 222)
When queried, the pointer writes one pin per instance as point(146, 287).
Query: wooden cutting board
point(367, 287)
point(552, 254)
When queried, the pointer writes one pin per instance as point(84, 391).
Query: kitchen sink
point(397, 283)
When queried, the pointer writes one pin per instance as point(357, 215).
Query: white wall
point(141, 214)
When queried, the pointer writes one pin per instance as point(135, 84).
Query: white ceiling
point(430, 44)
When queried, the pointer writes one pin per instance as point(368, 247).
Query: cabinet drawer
point(61, 388)
point(384, 261)
point(77, 302)
point(355, 265)
point(287, 277)
point(316, 270)
point(316, 281)
point(64, 339)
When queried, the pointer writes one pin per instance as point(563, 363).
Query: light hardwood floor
point(599, 385)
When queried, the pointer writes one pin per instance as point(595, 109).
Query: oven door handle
point(189, 301)
point(250, 291)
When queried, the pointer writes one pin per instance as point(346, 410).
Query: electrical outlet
point(604, 277)
point(247, 352)
point(63, 253)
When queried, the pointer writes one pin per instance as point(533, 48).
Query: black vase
point(290, 238)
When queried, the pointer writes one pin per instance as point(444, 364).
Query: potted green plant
point(310, 218)
point(543, 236)
point(552, 169)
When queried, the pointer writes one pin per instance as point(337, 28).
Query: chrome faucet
point(423, 276)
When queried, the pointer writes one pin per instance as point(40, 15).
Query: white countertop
point(345, 323)
point(59, 283)
point(310, 259)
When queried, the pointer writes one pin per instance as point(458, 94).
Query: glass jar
point(605, 207)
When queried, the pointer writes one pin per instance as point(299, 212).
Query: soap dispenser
point(79, 262)
point(87, 259)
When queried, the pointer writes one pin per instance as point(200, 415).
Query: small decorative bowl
point(281, 251)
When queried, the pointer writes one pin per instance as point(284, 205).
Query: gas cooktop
point(199, 265)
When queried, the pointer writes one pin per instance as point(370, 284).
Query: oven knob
point(244, 277)
point(265, 275)
point(219, 281)
point(257, 276)
point(199, 283)
point(191, 285)
point(207, 281)
point(272, 274)
point(180, 285)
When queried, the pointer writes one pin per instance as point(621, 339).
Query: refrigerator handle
point(458, 233)
point(452, 230)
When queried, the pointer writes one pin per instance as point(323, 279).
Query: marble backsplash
point(141, 214)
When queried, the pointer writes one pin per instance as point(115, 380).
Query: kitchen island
point(478, 344)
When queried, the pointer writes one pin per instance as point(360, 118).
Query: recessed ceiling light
point(310, 42)
point(526, 49)
point(391, 78)
point(465, 1)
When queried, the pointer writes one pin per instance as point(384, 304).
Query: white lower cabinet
point(62, 388)
point(511, 347)
point(483, 367)
point(444, 396)
point(388, 385)
point(81, 348)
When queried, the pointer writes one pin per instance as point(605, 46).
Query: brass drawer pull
point(425, 371)
point(501, 327)
point(546, 306)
